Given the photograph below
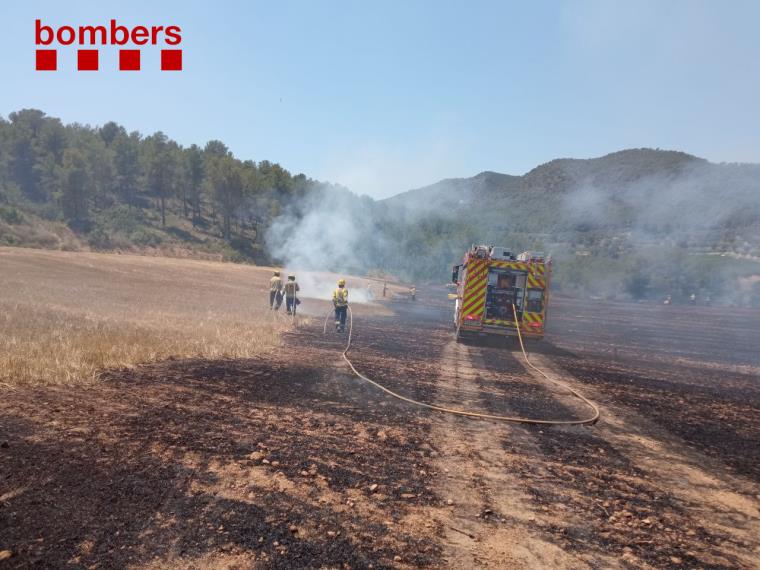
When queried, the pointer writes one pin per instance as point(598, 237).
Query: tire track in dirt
point(489, 521)
point(616, 495)
point(601, 493)
point(716, 502)
point(567, 497)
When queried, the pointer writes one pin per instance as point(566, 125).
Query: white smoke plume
point(320, 285)
point(324, 234)
point(685, 227)
point(648, 223)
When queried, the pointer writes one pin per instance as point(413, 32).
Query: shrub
point(123, 219)
point(11, 215)
point(99, 238)
point(145, 238)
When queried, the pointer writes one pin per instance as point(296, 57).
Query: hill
point(639, 190)
point(77, 187)
point(637, 223)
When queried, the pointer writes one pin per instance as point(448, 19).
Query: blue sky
point(387, 96)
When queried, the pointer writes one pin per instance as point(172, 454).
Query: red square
point(129, 60)
point(47, 60)
point(171, 60)
point(87, 60)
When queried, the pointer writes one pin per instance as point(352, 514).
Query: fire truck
point(490, 281)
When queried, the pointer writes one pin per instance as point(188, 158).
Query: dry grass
point(66, 316)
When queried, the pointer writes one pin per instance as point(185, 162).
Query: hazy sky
point(387, 96)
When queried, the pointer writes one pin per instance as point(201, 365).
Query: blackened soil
point(289, 461)
point(128, 471)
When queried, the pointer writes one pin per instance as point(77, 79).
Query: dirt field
point(286, 460)
point(65, 316)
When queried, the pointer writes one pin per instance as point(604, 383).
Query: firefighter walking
point(291, 297)
point(340, 302)
point(275, 291)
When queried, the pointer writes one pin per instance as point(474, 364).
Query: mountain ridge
point(558, 169)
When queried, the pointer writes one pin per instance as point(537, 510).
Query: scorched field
point(213, 454)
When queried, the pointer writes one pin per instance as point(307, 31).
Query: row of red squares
point(129, 60)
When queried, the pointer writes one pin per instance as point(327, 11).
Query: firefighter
point(340, 302)
point(275, 291)
point(291, 297)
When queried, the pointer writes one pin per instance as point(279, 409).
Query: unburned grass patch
point(53, 346)
point(65, 317)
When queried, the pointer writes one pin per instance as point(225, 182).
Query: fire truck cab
point(492, 284)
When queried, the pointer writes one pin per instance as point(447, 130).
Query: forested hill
point(637, 223)
point(623, 176)
point(80, 187)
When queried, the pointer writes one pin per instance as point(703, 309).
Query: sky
point(386, 96)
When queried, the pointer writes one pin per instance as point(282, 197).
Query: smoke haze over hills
point(635, 223)
point(638, 223)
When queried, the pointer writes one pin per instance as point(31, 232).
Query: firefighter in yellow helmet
point(275, 291)
point(340, 302)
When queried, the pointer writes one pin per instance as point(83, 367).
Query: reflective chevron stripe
point(474, 297)
point(535, 282)
point(533, 318)
point(518, 265)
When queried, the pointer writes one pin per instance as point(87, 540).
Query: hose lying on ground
point(591, 420)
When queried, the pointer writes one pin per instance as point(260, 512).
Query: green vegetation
point(635, 224)
point(79, 187)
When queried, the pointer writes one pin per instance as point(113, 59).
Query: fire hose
point(513, 419)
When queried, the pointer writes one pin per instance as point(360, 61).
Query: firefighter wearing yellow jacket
point(340, 302)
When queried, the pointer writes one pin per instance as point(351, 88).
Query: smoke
point(691, 199)
point(663, 224)
point(639, 223)
point(326, 233)
point(382, 170)
point(318, 285)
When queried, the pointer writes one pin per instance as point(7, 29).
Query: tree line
point(74, 173)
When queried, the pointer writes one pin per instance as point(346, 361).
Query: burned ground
point(288, 461)
point(170, 458)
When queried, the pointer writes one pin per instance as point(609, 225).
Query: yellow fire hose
point(514, 419)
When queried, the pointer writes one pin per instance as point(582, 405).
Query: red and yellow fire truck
point(490, 282)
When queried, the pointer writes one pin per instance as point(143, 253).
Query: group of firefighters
point(278, 291)
point(288, 290)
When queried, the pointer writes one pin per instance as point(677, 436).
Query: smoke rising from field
point(649, 223)
point(325, 232)
point(316, 285)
